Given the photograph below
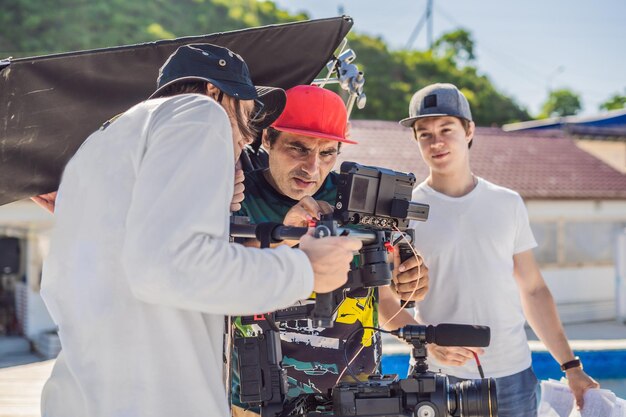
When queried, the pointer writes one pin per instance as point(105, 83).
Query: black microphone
point(446, 334)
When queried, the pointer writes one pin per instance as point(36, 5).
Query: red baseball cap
point(314, 111)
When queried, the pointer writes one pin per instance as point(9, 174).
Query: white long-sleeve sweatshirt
point(140, 272)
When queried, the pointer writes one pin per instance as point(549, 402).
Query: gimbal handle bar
point(266, 233)
point(279, 232)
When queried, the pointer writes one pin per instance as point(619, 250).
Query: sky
point(526, 48)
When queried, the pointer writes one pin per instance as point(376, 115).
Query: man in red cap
point(298, 186)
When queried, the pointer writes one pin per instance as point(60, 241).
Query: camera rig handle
point(406, 253)
point(324, 311)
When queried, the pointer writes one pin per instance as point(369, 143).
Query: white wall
point(584, 293)
point(33, 314)
point(620, 276)
point(29, 222)
point(38, 318)
point(576, 209)
point(612, 153)
point(25, 215)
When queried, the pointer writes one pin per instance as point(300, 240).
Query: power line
point(416, 31)
point(507, 58)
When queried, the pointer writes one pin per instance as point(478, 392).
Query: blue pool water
point(610, 364)
point(608, 367)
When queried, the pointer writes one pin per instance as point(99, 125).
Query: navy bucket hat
point(224, 69)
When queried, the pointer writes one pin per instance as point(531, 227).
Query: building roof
point(537, 166)
point(611, 124)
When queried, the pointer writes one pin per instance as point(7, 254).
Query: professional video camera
point(373, 204)
point(421, 394)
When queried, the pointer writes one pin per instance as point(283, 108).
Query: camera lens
point(473, 398)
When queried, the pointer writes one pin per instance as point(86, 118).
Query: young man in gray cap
point(477, 244)
point(140, 272)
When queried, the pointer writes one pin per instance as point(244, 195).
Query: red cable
point(480, 367)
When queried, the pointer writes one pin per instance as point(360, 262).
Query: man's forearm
point(542, 316)
point(388, 306)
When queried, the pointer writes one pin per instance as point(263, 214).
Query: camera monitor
point(376, 197)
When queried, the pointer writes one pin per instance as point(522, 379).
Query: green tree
point(561, 103)
point(615, 102)
point(38, 27)
point(457, 45)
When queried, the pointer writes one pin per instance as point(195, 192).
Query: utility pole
point(429, 19)
point(426, 18)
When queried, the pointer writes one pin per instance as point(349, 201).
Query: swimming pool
point(606, 366)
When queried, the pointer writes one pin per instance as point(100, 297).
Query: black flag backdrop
point(50, 104)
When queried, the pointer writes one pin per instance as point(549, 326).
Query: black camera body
point(386, 395)
point(427, 394)
point(422, 393)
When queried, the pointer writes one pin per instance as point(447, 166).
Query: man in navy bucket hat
point(140, 272)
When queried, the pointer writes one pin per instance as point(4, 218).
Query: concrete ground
point(21, 385)
point(22, 375)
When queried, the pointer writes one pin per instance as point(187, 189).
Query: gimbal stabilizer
point(374, 205)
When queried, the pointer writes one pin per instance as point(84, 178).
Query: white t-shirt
point(468, 244)
point(140, 272)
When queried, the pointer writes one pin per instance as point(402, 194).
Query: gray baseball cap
point(437, 100)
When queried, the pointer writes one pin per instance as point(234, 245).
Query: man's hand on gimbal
point(453, 355)
point(408, 275)
point(306, 210)
point(330, 258)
